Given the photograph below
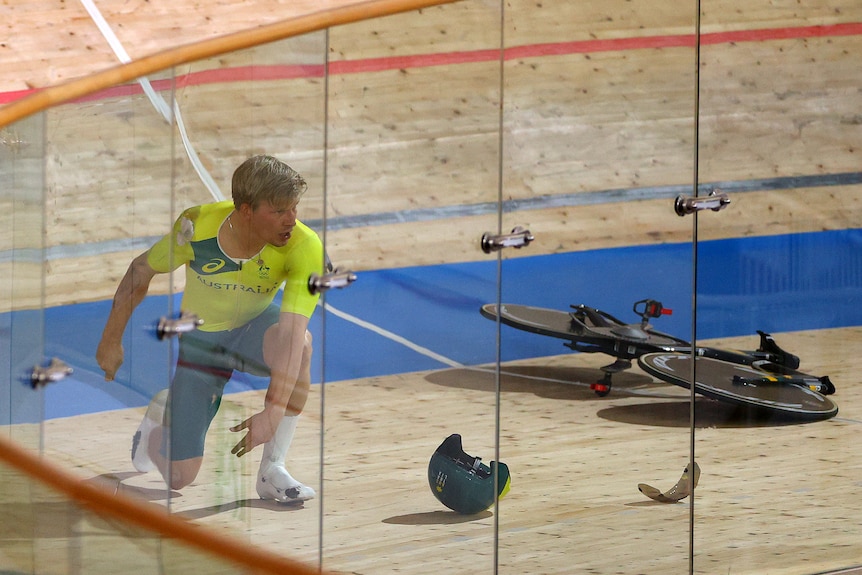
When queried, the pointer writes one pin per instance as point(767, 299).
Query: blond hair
point(266, 179)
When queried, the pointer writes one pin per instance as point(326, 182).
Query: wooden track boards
point(575, 461)
point(772, 496)
point(575, 123)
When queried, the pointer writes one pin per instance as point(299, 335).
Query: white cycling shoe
point(141, 440)
point(140, 458)
point(277, 484)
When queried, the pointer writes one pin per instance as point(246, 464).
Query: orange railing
point(246, 557)
point(350, 11)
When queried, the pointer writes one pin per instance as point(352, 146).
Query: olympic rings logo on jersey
point(212, 266)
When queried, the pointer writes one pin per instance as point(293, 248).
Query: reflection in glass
point(783, 258)
point(412, 184)
point(22, 268)
point(431, 129)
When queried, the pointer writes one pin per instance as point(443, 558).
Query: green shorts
point(205, 364)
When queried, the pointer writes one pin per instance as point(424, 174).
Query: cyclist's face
point(273, 223)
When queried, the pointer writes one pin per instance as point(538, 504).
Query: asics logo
point(212, 266)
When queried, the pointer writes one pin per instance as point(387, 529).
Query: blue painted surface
point(777, 283)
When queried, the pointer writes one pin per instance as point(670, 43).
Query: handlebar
point(651, 308)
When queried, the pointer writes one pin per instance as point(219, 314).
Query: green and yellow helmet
point(462, 482)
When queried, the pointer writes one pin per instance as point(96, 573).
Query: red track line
point(6, 97)
point(263, 73)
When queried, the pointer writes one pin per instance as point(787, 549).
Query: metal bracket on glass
point(336, 279)
point(51, 373)
point(183, 323)
point(715, 201)
point(12, 140)
point(517, 239)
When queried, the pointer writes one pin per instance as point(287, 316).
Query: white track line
point(627, 391)
point(454, 364)
point(394, 337)
point(164, 110)
point(159, 103)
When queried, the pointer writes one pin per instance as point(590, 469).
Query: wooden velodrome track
point(584, 112)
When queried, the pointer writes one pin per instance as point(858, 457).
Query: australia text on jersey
point(259, 289)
